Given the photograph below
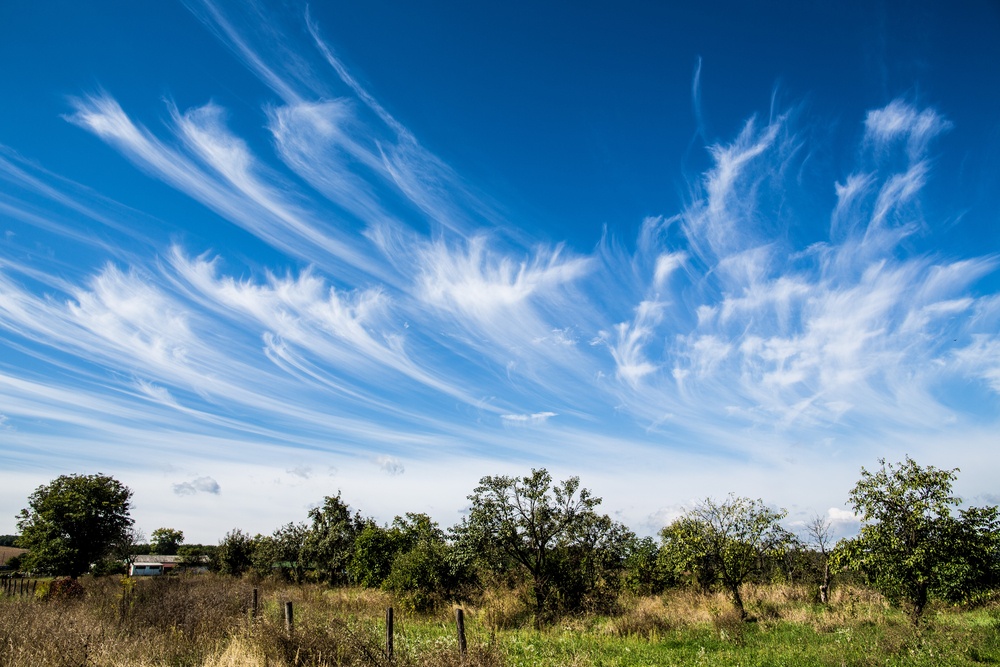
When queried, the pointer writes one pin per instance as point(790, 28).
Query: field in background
point(6, 553)
point(205, 621)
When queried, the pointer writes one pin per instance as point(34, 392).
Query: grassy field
point(6, 553)
point(204, 621)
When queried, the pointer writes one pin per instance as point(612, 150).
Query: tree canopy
point(724, 542)
point(529, 523)
point(73, 522)
point(911, 546)
point(165, 541)
point(329, 540)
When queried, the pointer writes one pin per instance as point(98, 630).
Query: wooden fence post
point(460, 620)
point(289, 622)
point(253, 608)
point(388, 633)
point(123, 606)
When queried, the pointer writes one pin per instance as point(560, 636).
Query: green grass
point(757, 644)
point(204, 622)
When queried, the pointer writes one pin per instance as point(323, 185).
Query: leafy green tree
point(644, 573)
point(423, 573)
point(165, 541)
point(329, 543)
point(589, 565)
point(911, 546)
point(376, 547)
point(282, 551)
point(14, 563)
point(123, 552)
point(531, 524)
point(197, 555)
point(234, 555)
point(724, 542)
point(74, 521)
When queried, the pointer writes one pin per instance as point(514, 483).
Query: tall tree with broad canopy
point(911, 546)
point(329, 541)
point(74, 521)
point(529, 523)
point(234, 555)
point(724, 542)
point(165, 541)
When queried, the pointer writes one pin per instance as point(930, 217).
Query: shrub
point(420, 577)
point(64, 589)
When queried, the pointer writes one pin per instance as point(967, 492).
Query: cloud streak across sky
point(408, 323)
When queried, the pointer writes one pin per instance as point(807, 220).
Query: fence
point(22, 586)
point(18, 586)
point(389, 650)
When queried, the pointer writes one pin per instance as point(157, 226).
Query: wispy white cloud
point(396, 317)
point(533, 418)
point(899, 121)
point(484, 285)
point(390, 465)
point(305, 472)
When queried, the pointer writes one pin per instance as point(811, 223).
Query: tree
point(74, 521)
point(165, 541)
point(281, 551)
point(724, 542)
point(589, 564)
point(818, 532)
point(234, 554)
point(329, 543)
point(422, 574)
point(910, 546)
point(526, 523)
point(128, 546)
point(644, 573)
point(376, 547)
point(195, 556)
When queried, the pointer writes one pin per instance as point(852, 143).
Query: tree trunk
point(824, 589)
point(919, 602)
point(738, 601)
point(539, 604)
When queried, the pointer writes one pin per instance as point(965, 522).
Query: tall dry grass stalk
point(206, 621)
point(651, 617)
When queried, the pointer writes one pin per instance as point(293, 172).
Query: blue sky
point(255, 253)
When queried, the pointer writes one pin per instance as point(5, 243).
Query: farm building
point(156, 564)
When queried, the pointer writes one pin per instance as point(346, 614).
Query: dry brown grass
point(644, 617)
point(651, 617)
point(505, 608)
point(206, 621)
